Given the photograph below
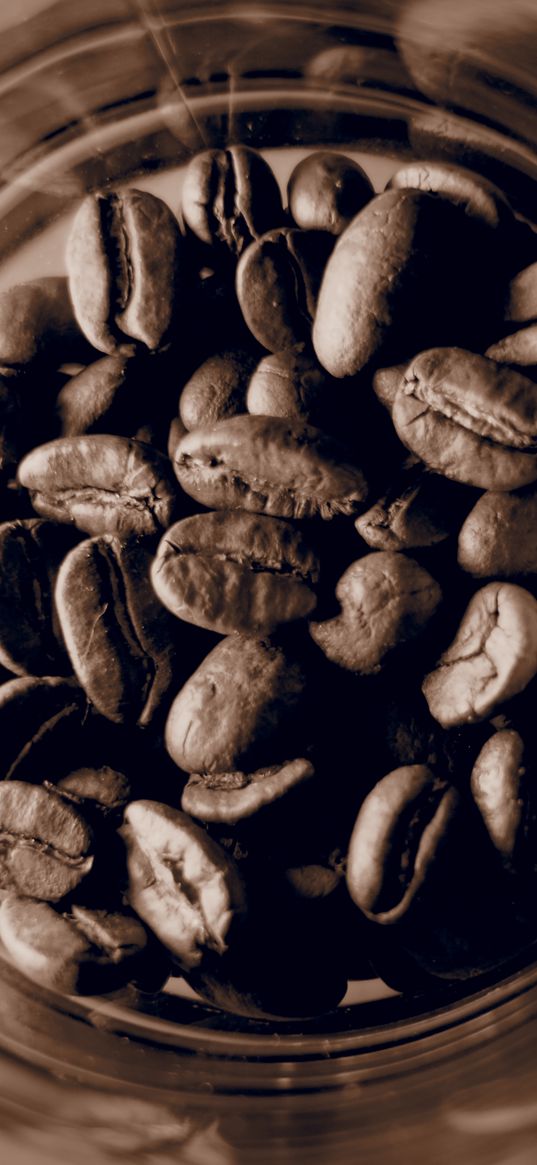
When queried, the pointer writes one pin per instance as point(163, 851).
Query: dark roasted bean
point(326, 190)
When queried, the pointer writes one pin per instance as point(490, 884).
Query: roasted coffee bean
point(81, 952)
point(477, 195)
point(239, 711)
point(292, 384)
point(469, 418)
point(260, 978)
point(386, 600)
point(231, 571)
point(217, 389)
point(420, 509)
point(499, 536)
point(124, 259)
point(492, 658)
point(269, 465)
point(111, 396)
point(386, 382)
point(31, 710)
point(230, 197)
point(326, 190)
point(233, 797)
point(389, 284)
point(45, 844)
point(31, 551)
point(519, 348)
point(181, 883)
point(521, 298)
point(105, 788)
point(119, 638)
point(278, 280)
point(102, 484)
point(399, 828)
point(38, 326)
point(501, 789)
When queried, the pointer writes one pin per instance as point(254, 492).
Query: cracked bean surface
point(492, 658)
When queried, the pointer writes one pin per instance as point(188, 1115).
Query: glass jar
point(125, 91)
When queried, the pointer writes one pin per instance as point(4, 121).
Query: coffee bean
point(119, 637)
point(519, 348)
point(420, 509)
point(501, 790)
point(32, 711)
point(499, 537)
point(217, 389)
point(326, 190)
point(469, 418)
point(292, 384)
point(109, 396)
point(102, 484)
point(81, 952)
point(230, 197)
point(233, 797)
point(45, 844)
point(389, 284)
point(269, 465)
point(386, 600)
point(38, 326)
point(181, 883)
point(105, 788)
point(278, 280)
point(492, 658)
point(124, 258)
point(231, 571)
point(521, 298)
point(399, 828)
point(31, 551)
point(240, 709)
point(477, 195)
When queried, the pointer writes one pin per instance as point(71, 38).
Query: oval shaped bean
point(230, 571)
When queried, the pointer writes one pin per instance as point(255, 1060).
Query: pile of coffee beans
point(268, 588)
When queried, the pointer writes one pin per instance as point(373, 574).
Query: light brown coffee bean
point(420, 509)
point(233, 797)
point(500, 789)
point(492, 658)
point(498, 539)
point(521, 298)
point(181, 882)
point(81, 952)
point(45, 844)
point(518, 348)
point(231, 571)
